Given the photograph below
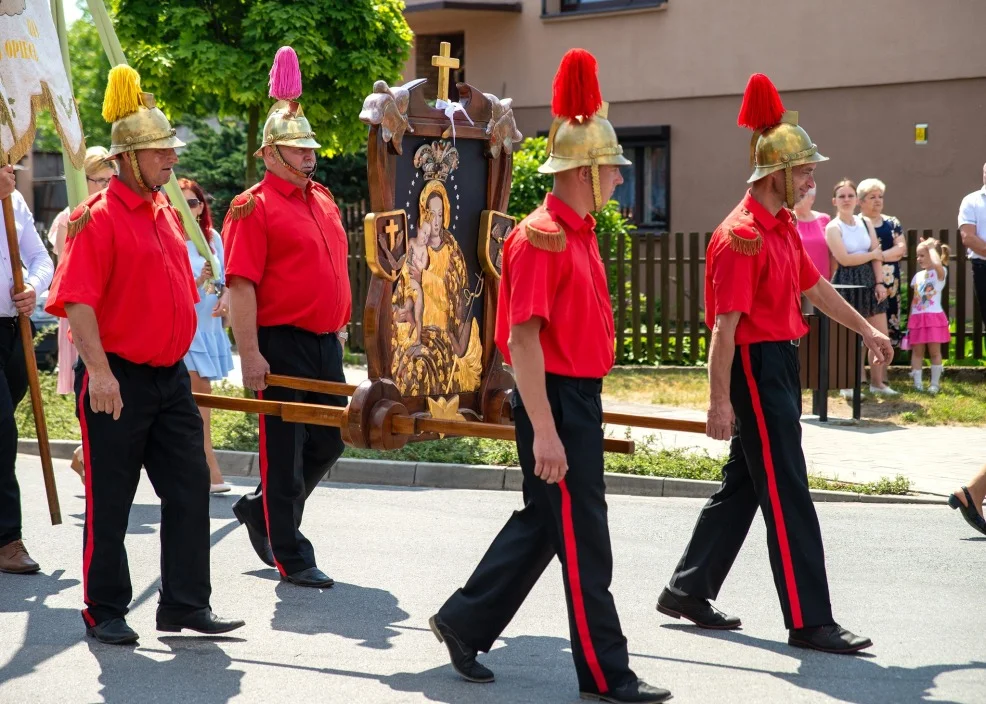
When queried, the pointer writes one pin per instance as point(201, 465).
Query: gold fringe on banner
point(22, 146)
point(744, 245)
point(241, 210)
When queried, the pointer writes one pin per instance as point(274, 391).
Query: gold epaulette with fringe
point(745, 245)
point(241, 210)
point(546, 234)
point(77, 222)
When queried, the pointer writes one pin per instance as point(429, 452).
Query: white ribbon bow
point(450, 109)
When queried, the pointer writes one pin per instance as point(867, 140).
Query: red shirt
point(130, 264)
point(566, 289)
point(292, 246)
point(756, 264)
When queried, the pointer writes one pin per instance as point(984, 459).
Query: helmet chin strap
point(297, 172)
point(789, 187)
point(137, 175)
point(597, 193)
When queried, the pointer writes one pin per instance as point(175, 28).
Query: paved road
point(936, 460)
point(910, 577)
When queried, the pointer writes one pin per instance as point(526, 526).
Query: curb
point(463, 476)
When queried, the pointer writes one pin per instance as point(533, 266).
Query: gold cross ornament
point(445, 63)
point(392, 229)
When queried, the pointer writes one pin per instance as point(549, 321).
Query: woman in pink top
point(811, 227)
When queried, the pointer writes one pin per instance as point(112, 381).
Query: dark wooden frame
point(428, 121)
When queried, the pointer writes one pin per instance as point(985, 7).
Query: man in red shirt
point(555, 327)
point(126, 286)
point(756, 271)
point(286, 265)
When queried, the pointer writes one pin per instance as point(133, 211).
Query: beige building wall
point(861, 75)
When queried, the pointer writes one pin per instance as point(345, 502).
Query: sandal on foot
point(969, 512)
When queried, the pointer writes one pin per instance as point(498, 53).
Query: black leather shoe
point(258, 538)
point(114, 631)
point(698, 611)
point(829, 639)
point(462, 656)
point(312, 577)
point(203, 621)
point(636, 691)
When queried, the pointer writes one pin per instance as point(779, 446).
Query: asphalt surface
point(913, 578)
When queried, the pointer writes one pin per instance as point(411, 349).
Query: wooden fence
point(660, 316)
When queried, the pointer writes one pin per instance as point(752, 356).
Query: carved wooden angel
point(502, 127)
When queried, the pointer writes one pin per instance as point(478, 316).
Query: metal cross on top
point(445, 63)
point(392, 229)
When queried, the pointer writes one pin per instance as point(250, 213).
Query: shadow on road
point(49, 631)
point(200, 666)
point(855, 679)
point(358, 613)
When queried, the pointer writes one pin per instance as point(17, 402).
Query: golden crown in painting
point(437, 160)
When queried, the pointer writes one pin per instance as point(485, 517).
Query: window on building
point(427, 45)
point(644, 195)
point(590, 5)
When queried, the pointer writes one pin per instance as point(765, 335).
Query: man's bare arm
point(103, 388)
point(971, 240)
point(243, 309)
point(527, 358)
point(719, 425)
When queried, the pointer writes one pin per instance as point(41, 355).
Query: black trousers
point(294, 457)
point(13, 386)
point(160, 429)
point(979, 284)
point(765, 469)
point(567, 519)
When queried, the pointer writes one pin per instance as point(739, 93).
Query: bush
point(528, 187)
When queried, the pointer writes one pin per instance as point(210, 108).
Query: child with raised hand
point(927, 325)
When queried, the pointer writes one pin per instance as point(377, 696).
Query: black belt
point(586, 386)
point(9, 322)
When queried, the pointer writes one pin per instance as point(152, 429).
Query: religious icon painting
point(429, 318)
point(385, 235)
point(493, 230)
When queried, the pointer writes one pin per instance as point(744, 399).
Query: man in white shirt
point(972, 228)
point(13, 381)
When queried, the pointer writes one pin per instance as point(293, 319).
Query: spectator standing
point(99, 170)
point(811, 227)
point(890, 234)
point(210, 357)
point(857, 251)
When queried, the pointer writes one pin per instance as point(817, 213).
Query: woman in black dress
point(890, 234)
point(857, 252)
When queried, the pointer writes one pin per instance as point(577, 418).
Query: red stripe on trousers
point(87, 465)
point(263, 482)
point(775, 499)
point(575, 585)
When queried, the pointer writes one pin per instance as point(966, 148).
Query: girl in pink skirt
point(927, 325)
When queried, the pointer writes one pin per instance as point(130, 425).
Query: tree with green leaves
point(211, 57)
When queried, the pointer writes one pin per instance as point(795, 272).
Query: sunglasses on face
point(193, 202)
point(101, 182)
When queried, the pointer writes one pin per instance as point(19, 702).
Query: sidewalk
point(936, 460)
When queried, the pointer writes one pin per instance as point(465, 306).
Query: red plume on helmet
point(762, 106)
point(575, 90)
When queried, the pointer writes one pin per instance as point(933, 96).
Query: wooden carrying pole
point(402, 425)
point(27, 340)
point(339, 389)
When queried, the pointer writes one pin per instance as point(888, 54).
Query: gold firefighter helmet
point(286, 123)
point(778, 141)
point(580, 134)
point(137, 122)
